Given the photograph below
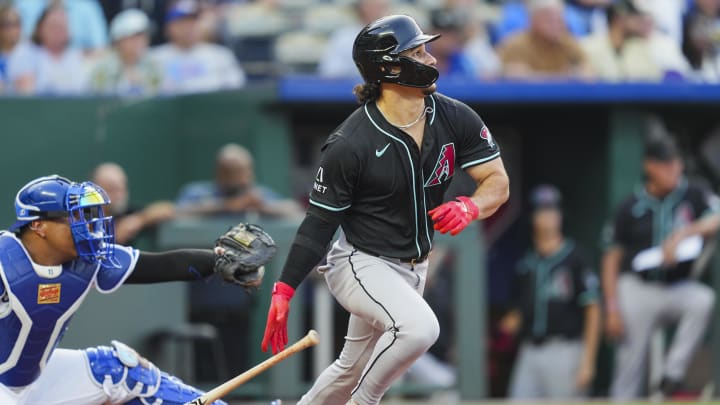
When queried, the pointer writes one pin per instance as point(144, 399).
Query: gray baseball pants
point(646, 306)
point(390, 325)
point(547, 370)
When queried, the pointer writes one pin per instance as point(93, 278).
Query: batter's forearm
point(491, 193)
point(309, 247)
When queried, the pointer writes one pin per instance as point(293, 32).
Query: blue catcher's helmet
point(82, 203)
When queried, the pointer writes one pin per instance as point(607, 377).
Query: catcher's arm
point(173, 265)
point(238, 257)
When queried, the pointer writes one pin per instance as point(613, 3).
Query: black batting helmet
point(378, 46)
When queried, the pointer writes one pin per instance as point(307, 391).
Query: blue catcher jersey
point(38, 302)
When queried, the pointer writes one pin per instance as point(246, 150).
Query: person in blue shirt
point(234, 190)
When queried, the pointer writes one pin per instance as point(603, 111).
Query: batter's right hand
point(276, 328)
point(614, 327)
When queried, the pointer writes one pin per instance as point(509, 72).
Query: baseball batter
point(382, 176)
point(59, 249)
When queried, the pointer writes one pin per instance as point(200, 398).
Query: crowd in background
point(151, 47)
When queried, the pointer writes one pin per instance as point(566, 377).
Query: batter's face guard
point(92, 231)
point(82, 203)
point(377, 49)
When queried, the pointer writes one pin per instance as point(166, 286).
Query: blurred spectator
point(654, 241)
point(545, 49)
point(631, 49)
point(515, 17)
point(129, 220)
point(87, 25)
point(9, 39)
point(337, 60)
point(667, 15)
point(187, 63)
point(591, 14)
point(557, 314)
point(478, 46)
point(155, 9)
point(701, 40)
point(448, 49)
point(127, 70)
point(234, 190)
point(49, 66)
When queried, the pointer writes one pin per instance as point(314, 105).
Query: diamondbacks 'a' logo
point(486, 135)
point(445, 166)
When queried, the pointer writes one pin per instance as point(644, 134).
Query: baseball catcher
point(62, 246)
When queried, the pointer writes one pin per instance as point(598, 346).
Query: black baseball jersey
point(643, 221)
point(384, 184)
point(552, 293)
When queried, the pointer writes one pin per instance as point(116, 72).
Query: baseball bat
point(311, 339)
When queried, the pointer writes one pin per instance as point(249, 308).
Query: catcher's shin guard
point(130, 379)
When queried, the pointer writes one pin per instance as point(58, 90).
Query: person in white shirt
point(632, 50)
point(189, 65)
point(337, 61)
point(48, 66)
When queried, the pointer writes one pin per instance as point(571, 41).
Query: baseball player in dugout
point(60, 248)
point(557, 316)
point(654, 244)
point(382, 176)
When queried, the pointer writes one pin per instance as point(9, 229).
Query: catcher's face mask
point(93, 232)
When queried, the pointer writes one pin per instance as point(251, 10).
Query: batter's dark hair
point(366, 92)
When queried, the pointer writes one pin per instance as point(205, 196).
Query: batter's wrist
point(472, 208)
point(280, 288)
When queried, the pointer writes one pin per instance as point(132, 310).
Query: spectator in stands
point(189, 65)
point(49, 66)
point(546, 49)
point(452, 61)
point(87, 25)
point(9, 39)
point(701, 40)
point(155, 9)
point(589, 13)
point(477, 44)
point(631, 49)
point(515, 17)
point(234, 190)
point(337, 60)
point(127, 70)
point(667, 16)
point(130, 220)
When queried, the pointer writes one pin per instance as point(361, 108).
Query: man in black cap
point(652, 244)
point(557, 315)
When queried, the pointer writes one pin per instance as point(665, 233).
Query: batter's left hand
point(454, 216)
point(276, 337)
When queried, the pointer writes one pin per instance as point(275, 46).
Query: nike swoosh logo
point(381, 152)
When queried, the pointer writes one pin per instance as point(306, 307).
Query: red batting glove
point(276, 328)
point(454, 216)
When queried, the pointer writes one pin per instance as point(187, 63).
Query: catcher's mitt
point(241, 253)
